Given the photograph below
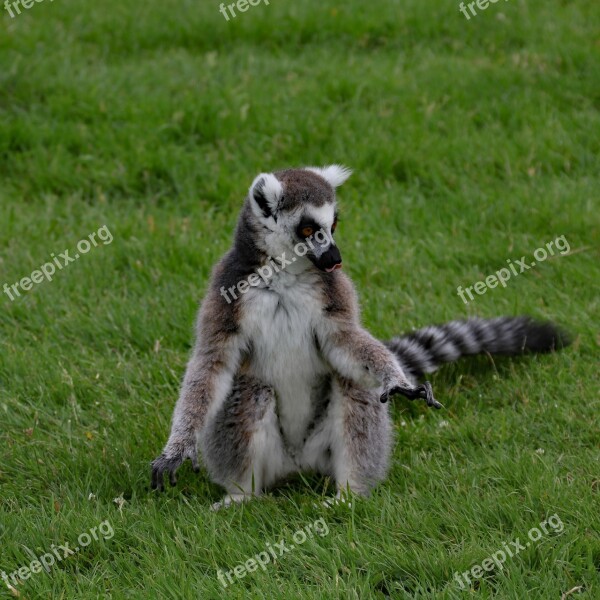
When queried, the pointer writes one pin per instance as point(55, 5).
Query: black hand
point(423, 391)
point(164, 464)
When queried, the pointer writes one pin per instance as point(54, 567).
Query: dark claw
point(157, 483)
point(431, 401)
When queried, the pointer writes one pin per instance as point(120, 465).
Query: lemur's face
point(314, 228)
point(297, 214)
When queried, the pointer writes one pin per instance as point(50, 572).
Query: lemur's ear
point(335, 175)
point(265, 194)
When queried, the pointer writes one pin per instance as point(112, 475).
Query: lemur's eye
point(333, 226)
point(307, 231)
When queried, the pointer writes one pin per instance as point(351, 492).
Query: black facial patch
point(306, 222)
point(335, 222)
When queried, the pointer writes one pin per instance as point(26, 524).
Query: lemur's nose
point(331, 260)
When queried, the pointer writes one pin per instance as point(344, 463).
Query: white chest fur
point(280, 322)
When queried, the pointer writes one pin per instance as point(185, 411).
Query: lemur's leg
point(353, 441)
point(206, 385)
point(242, 446)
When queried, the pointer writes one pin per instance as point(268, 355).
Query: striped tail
point(424, 350)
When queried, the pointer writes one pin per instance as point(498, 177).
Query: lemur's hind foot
point(416, 392)
point(342, 498)
point(230, 500)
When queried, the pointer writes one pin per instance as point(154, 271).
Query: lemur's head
point(294, 211)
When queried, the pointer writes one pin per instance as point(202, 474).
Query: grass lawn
point(473, 142)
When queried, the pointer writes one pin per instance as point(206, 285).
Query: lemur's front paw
point(423, 391)
point(168, 462)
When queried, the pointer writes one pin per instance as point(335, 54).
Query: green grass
point(473, 142)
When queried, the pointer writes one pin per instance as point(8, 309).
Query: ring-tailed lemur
point(283, 377)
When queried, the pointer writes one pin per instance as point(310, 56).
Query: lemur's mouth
point(331, 269)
